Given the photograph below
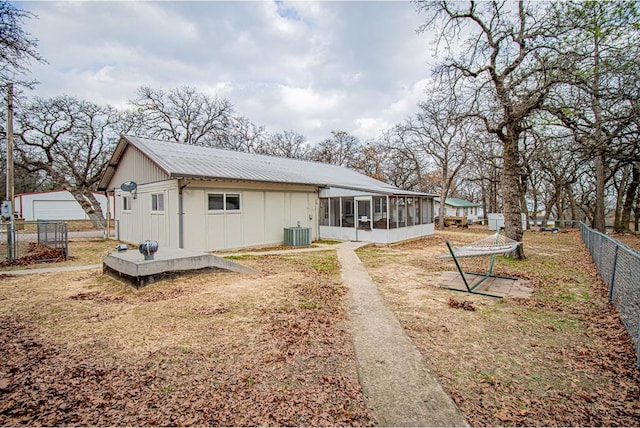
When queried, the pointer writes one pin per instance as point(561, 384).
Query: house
point(56, 205)
point(459, 207)
point(205, 199)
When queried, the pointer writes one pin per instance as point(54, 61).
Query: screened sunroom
point(382, 218)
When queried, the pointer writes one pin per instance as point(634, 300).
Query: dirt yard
point(206, 349)
point(274, 348)
point(561, 357)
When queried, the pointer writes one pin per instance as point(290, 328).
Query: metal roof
point(457, 202)
point(189, 161)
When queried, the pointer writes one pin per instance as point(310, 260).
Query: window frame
point(225, 203)
point(126, 203)
point(158, 198)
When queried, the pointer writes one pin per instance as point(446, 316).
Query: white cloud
point(311, 66)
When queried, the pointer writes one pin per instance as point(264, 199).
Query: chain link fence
point(30, 238)
point(619, 267)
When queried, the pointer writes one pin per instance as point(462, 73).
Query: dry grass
point(81, 252)
point(274, 348)
point(559, 358)
point(213, 348)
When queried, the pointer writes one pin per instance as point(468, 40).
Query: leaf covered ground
point(559, 358)
point(275, 349)
point(204, 349)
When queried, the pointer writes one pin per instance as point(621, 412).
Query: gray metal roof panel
point(206, 162)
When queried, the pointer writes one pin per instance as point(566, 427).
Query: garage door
point(57, 210)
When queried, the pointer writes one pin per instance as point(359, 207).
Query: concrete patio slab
point(132, 265)
point(501, 287)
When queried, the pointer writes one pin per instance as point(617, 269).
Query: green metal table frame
point(471, 288)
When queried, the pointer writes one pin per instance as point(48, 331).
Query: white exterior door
point(364, 218)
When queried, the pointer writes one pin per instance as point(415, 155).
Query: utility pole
point(10, 185)
point(11, 232)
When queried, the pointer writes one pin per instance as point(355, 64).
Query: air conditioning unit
point(297, 236)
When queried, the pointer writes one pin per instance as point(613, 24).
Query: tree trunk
point(443, 196)
point(572, 205)
point(485, 208)
point(90, 205)
point(618, 227)
point(524, 208)
point(632, 191)
point(598, 215)
point(511, 190)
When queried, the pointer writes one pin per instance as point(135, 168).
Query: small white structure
point(206, 199)
point(495, 221)
point(459, 207)
point(56, 205)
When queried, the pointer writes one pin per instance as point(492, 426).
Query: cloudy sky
point(309, 66)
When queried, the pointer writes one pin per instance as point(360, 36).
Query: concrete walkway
point(398, 386)
point(49, 270)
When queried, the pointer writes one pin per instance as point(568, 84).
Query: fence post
point(11, 241)
point(638, 344)
point(613, 274)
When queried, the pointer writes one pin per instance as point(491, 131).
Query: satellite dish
point(128, 186)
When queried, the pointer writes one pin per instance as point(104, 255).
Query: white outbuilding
point(206, 199)
point(56, 205)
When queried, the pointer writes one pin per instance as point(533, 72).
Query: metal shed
point(56, 205)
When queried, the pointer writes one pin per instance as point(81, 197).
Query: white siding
point(134, 166)
point(140, 223)
point(263, 215)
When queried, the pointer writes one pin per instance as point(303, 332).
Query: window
point(223, 202)
point(380, 205)
point(232, 202)
point(157, 202)
point(324, 211)
point(216, 202)
point(334, 208)
point(347, 212)
point(126, 203)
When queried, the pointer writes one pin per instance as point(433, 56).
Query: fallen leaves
point(36, 253)
point(559, 358)
point(467, 305)
point(276, 361)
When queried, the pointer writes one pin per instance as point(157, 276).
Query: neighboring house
point(206, 199)
point(459, 207)
point(56, 205)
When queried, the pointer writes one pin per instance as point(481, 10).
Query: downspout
point(180, 213)
point(317, 213)
point(106, 194)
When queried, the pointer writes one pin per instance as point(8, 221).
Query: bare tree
point(287, 144)
point(242, 135)
point(183, 115)
point(400, 165)
point(340, 149)
point(70, 140)
point(17, 47)
point(372, 161)
point(509, 67)
point(484, 169)
point(439, 137)
point(601, 102)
